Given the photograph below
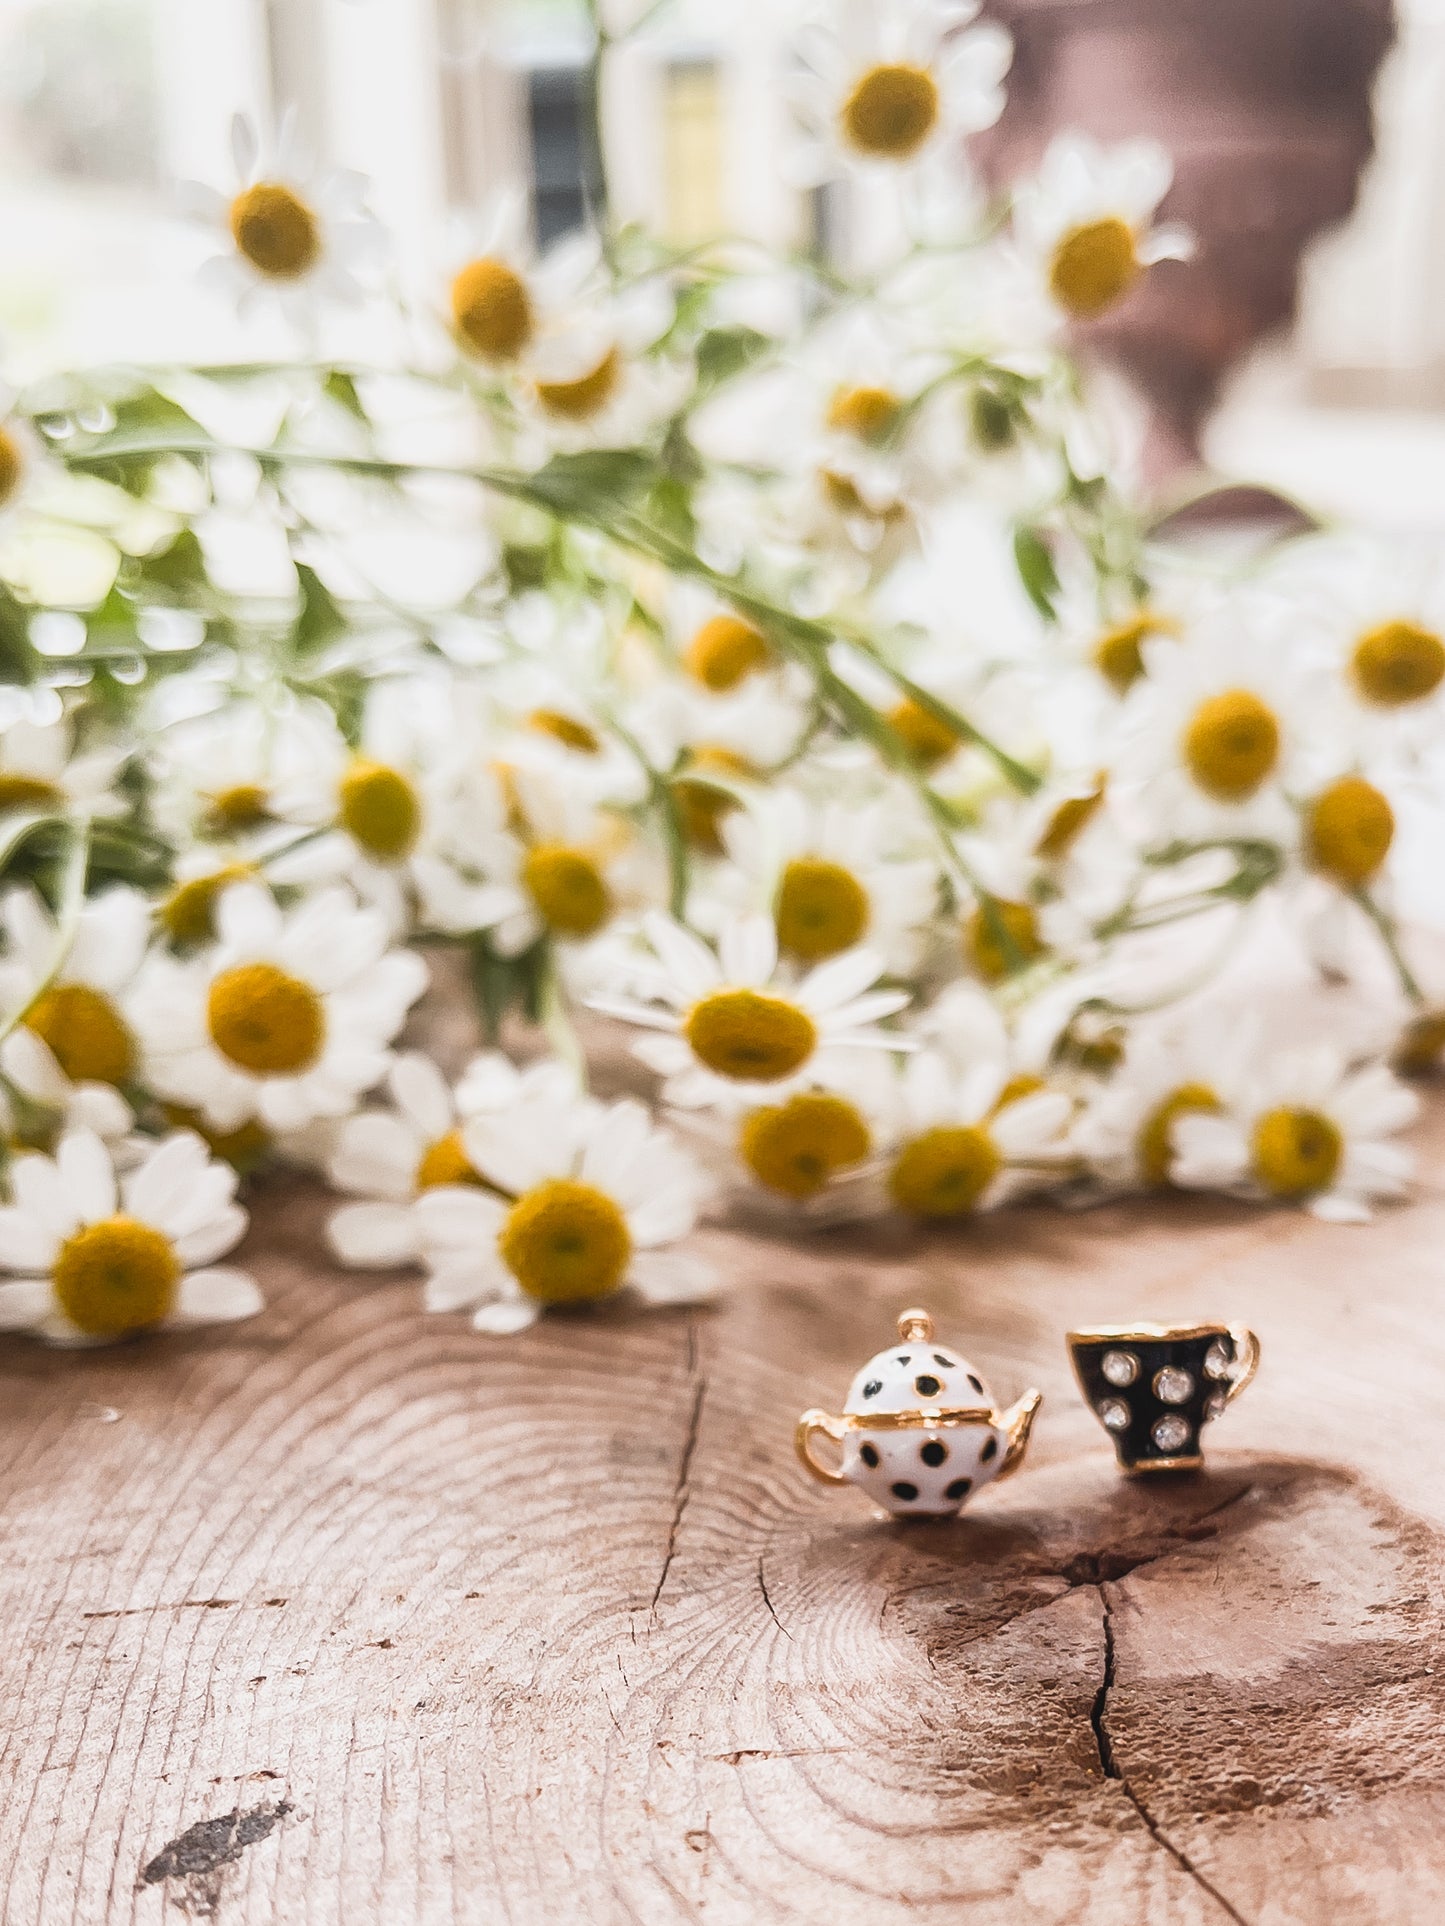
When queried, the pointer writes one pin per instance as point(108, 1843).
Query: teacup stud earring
point(1154, 1387)
point(919, 1430)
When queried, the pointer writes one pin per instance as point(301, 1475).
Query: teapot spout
point(1017, 1423)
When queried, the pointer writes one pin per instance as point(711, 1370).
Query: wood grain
point(348, 1615)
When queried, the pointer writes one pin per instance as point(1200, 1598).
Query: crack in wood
point(1109, 1763)
point(682, 1491)
point(772, 1610)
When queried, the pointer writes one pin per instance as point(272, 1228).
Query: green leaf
point(670, 507)
point(592, 480)
point(505, 983)
point(180, 569)
point(148, 415)
point(725, 352)
point(340, 387)
point(1036, 569)
point(18, 660)
point(320, 620)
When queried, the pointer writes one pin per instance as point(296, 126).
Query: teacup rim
point(1149, 1333)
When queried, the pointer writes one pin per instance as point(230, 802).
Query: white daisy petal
point(216, 1297)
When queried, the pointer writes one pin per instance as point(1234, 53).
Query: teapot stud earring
point(919, 1431)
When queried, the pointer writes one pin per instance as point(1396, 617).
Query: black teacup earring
point(1154, 1387)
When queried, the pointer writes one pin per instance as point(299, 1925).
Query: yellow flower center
point(869, 414)
point(12, 467)
point(245, 805)
point(566, 1243)
point(492, 309)
point(1119, 652)
point(821, 909)
point(891, 111)
point(1094, 266)
point(927, 740)
point(1155, 1143)
point(1420, 1046)
point(1349, 830)
point(445, 1162)
point(1231, 745)
point(87, 1035)
point(701, 808)
point(188, 914)
point(269, 1023)
point(795, 1147)
point(1024, 1084)
point(26, 792)
point(725, 652)
point(750, 1036)
point(842, 494)
point(381, 810)
point(565, 729)
point(586, 395)
point(116, 1276)
point(568, 889)
point(944, 1172)
point(1067, 824)
point(1296, 1152)
point(243, 1148)
point(1003, 937)
point(1398, 662)
point(275, 230)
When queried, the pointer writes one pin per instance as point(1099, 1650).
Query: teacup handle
point(1246, 1357)
point(810, 1423)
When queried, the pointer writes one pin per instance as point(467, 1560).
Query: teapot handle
point(835, 1428)
point(1246, 1355)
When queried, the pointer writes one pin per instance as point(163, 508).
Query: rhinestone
point(1173, 1385)
point(1114, 1414)
point(1120, 1367)
point(1214, 1404)
point(1170, 1432)
point(1218, 1362)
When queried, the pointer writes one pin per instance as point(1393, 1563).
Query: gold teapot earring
point(919, 1430)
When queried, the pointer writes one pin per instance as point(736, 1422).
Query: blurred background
point(1305, 346)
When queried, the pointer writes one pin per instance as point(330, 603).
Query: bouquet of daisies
point(778, 661)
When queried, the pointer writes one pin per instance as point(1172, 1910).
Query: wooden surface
point(350, 1615)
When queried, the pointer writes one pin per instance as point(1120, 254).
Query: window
point(566, 185)
point(692, 136)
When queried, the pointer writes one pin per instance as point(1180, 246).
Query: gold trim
point(1246, 1352)
point(1148, 1333)
point(1196, 1463)
point(1018, 1423)
point(915, 1327)
point(924, 1418)
point(810, 1422)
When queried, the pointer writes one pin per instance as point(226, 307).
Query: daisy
point(1377, 616)
point(1213, 734)
point(965, 1142)
point(230, 775)
point(737, 1027)
point(491, 311)
point(389, 815)
point(81, 1005)
point(833, 874)
point(392, 1156)
point(892, 84)
point(564, 869)
point(292, 235)
point(1305, 1128)
point(21, 456)
point(1087, 221)
point(582, 1200)
point(42, 773)
point(286, 1018)
point(98, 1256)
point(39, 1103)
point(1167, 1073)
